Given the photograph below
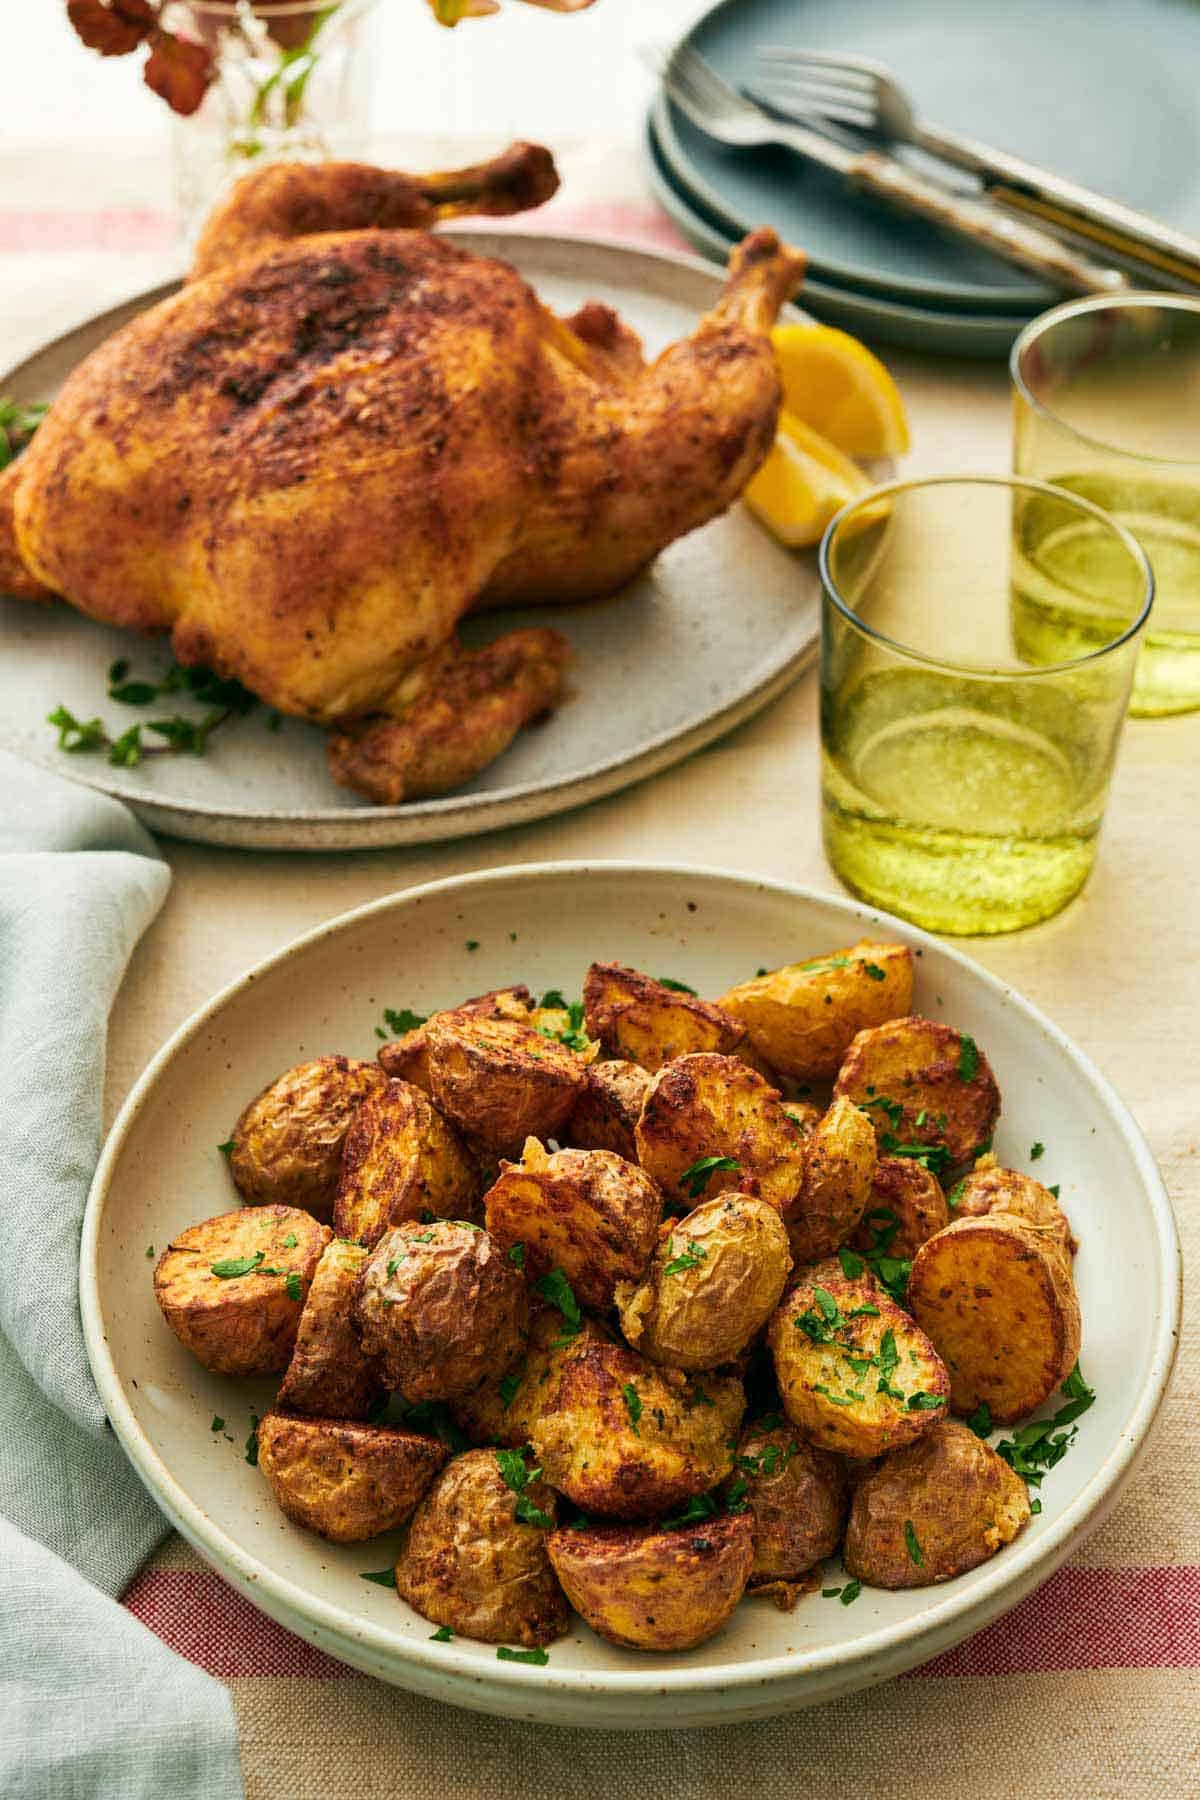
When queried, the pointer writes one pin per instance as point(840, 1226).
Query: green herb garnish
point(295, 1287)
point(555, 1288)
point(692, 1257)
point(676, 987)
point(517, 1475)
point(538, 1658)
point(252, 1442)
point(696, 1179)
point(232, 1266)
point(218, 1423)
point(1039, 1446)
point(980, 1420)
point(442, 1635)
point(915, 1552)
point(516, 1255)
point(401, 1022)
point(1036, 1152)
point(968, 1058)
point(875, 972)
point(700, 1506)
point(852, 1263)
point(633, 1405)
point(226, 1148)
point(381, 1577)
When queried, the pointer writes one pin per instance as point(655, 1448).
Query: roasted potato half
point(701, 1108)
point(840, 1159)
point(797, 1497)
point(406, 1058)
point(933, 1510)
point(345, 1481)
point(996, 1297)
point(713, 1283)
point(587, 1212)
point(991, 1189)
point(606, 1113)
point(923, 1083)
point(626, 1440)
point(854, 1372)
point(440, 1309)
point(654, 1589)
point(906, 1205)
point(287, 1145)
point(640, 1020)
point(472, 1564)
point(401, 1161)
point(505, 1408)
point(802, 1018)
point(501, 1082)
point(232, 1288)
point(329, 1376)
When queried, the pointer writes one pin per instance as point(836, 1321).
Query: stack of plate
point(1101, 91)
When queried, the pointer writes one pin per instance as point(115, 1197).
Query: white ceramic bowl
point(161, 1170)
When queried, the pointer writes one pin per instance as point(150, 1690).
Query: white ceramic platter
point(161, 1170)
point(710, 634)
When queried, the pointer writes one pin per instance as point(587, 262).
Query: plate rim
point(898, 1645)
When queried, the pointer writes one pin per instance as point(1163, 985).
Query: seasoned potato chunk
point(329, 1376)
point(288, 1143)
point(923, 1083)
point(606, 1113)
point(715, 1280)
point(933, 1510)
point(345, 1481)
point(472, 1564)
point(854, 1372)
point(991, 1189)
point(796, 1495)
point(440, 1309)
point(500, 1081)
point(802, 1018)
point(625, 1440)
point(232, 1288)
point(504, 1408)
point(995, 1295)
point(407, 1057)
point(401, 1161)
point(840, 1162)
point(709, 1107)
point(655, 1589)
point(637, 1018)
point(587, 1212)
point(906, 1205)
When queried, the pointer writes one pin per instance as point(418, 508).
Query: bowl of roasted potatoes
point(628, 1295)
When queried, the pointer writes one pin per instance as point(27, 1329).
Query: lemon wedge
point(840, 388)
point(803, 482)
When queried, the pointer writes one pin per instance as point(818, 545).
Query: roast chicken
point(344, 433)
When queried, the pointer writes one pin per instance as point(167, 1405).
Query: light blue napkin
point(92, 1704)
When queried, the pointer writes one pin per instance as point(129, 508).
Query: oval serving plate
point(161, 1170)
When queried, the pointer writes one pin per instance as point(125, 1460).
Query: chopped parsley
point(295, 1287)
point(435, 1417)
point(517, 1475)
point(1036, 1448)
point(875, 972)
point(1035, 1506)
point(676, 987)
point(381, 1578)
point(980, 1420)
point(846, 1399)
point(852, 1264)
point(516, 1255)
point(700, 1506)
point(955, 1194)
point(735, 1500)
point(555, 1288)
point(539, 1658)
point(1036, 1152)
point(692, 1257)
point(696, 1179)
point(149, 1250)
point(847, 1595)
point(290, 1241)
point(226, 1148)
point(472, 943)
point(968, 1058)
point(509, 1385)
point(231, 1267)
point(442, 1635)
point(218, 1423)
point(912, 1545)
point(934, 1157)
point(922, 1402)
point(1054, 1190)
point(252, 1442)
point(399, 1023)
point(633, 1405)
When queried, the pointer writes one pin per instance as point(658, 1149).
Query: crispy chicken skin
point(344, 433)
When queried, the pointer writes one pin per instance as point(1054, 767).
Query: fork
point(860, 92)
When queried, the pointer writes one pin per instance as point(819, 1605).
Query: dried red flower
point(113, 28)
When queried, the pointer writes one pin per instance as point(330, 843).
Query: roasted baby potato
point(500, 1081)
point(701, 1108)
point(802, 1018)
point(606, 1113)
point(288, 1143)
point(440, 1309)
point(933, 1510)
point(640, 1020)
point(625, 1440)
point(839, 1165)
point(655, 1589)
point(796, 1495)
point(232, 1288)
point(328, 1376)
point(714, 1281)
point(504, 1408)
point(991, 1189)
point(587, 1212)
point(996, 1297)
point(472, 1564)
point(923, 1083)
point(906, 1205)
point(854, 1372)
point(401, 1161)
point(407, 1057)
point(345, 1481)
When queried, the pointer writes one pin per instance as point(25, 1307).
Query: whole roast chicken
point(344, 433)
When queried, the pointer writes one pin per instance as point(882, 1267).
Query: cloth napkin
point(93, 1704)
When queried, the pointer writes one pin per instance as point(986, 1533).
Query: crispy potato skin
point(797, 1496)
point(803, 1018)
point(736, 1251)
point(406, 1058)
point(347, 1482)
point(288, 1143)
point(328, 1376)
point(533, 1382)
point(650, 1589)
point(915, 1062)
point(962, 1500)
point(247, 1324)
point(715, 1106)
point(400, 1161)
point(874, 1422)
point(914, 1199)
point(991, 1189)
point(470, 1563)
point(440, 1309)
point(606, 1113)
point(638, 1019)
point(587, 1444)
point(587, 1212)
point(839, 1167)
point(501, 1082)
point(996, 1296)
